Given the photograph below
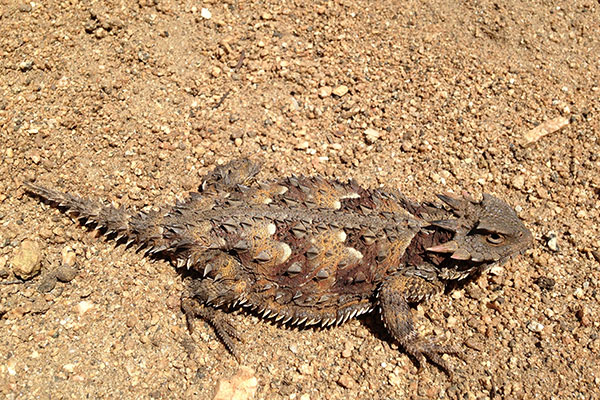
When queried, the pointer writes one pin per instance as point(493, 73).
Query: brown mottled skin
point(311, 251)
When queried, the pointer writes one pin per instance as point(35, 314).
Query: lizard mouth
point(438, 249)
point(452, 247)
point(459, 265)
point(452, 269)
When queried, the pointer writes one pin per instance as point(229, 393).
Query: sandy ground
point(133, 101)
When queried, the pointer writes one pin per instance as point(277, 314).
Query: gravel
point(132, 104)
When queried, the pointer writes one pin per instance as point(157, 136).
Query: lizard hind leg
point(394, 297)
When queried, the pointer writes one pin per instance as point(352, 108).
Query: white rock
point(205, 13)
point(340, 90)
point(84, 306)
point(535, 326)
point(371, 135)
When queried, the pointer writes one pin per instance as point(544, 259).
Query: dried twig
point(222, 99)
point(544, 129)
point(240, 61)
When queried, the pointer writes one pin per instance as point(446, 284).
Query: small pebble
point(27, 261)
point(215, 71)
point(26, 66)
point(101, 33)
point(143, 56)
point(518, 182)
point(325, 91)
point(545, 282)
point(45, 233)
point(241, 386)
point(535, 326)
point(552, 242)
point(435, 177)
point(497, 270)
point(395, 380)
point(68, 256)
point(474, 344)
point(84, 306)
point(47, 284)
point(346, 381)
point(340, 90)
point(584, 316)
point(371, 135)
point(302, 145)
point(90, 25)
point(347, 352)
point(66, 273)
point(69, 367)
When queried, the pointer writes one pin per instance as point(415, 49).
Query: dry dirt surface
point(132, 102)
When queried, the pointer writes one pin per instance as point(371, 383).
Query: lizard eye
point(495, 238)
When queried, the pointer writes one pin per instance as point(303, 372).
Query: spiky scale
point(263, 256)
point(323, 274)
point(295, 268)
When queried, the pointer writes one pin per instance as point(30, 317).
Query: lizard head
point(484, 232)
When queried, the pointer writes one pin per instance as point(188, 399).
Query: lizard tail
point(119, 222)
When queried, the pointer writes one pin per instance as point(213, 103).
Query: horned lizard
point(311, 251)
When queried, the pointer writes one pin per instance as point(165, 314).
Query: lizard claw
point(430, 348)
point(223, 327)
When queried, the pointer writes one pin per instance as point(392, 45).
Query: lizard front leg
point(193, 307)
point(222, 286)
point(227, 177)
point(394, 297)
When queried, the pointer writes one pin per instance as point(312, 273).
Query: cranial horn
point(448, 247)
point(454, 202)
point(461, 254)
point(448, 224)
point(491, 226)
